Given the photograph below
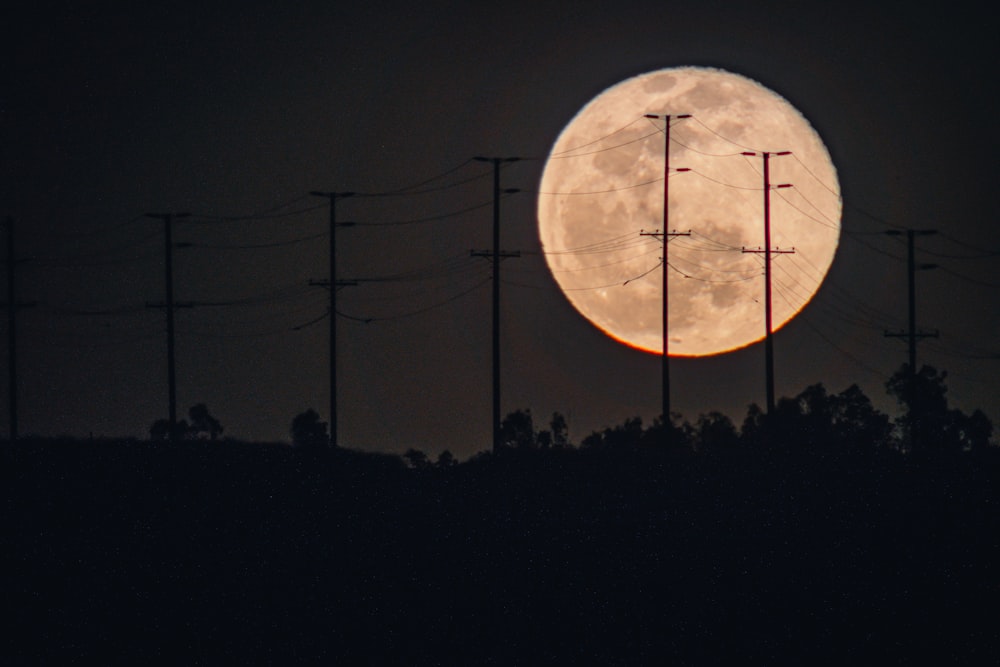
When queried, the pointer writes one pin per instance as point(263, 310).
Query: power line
point(417, 311)
point(205, 218)
point(734, 143)
point(409, 192)
point(809, 171)
point(606, 136)
point(971, 246)
point(80, 259)
point(414, 186)
point(598, 192)
point(604, 150)
point(709, 280)
point(257, 246)
point(819, 332)
point(624, 260)
point(426, 219)
point(828, 225)
point(728, 185)
point(968, 279)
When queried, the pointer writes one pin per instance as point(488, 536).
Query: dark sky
point(235, 111)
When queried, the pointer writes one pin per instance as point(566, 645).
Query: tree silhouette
point(713, 432)
point(203, 423)
point(517, 430)
point(858, 422)
point(416, 459)
point(628, 434)
point(815, 418)
point(559, 430)
point(308, 431)
point(928, 422)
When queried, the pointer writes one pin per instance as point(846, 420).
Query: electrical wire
point(603, 150)
point(418, 311)
point(600, 192)
point(427, 219)
point(414, 186)
point(808, 216)
point(709, 280)
point(257, 246)
point(734, 143)
point(606, 136)
point(205, 218)
point(728, 185)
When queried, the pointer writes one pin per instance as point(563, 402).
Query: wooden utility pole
point(496, 255)
point(767, 252)
point(170, 306)
point(665, 237)
point(912, 334)
point(333, 197)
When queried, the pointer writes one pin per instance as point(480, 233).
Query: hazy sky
point(235, 113)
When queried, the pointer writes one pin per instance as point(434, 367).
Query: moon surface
point(603, 186)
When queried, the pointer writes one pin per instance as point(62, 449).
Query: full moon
point(601, 210)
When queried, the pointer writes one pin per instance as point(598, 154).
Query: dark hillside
point(259, 553)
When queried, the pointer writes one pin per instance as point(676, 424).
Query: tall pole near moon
point(767, 251)
point(496, 255)
point(913, 335)
point(665, 356)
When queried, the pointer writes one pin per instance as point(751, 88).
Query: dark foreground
point(225, 554)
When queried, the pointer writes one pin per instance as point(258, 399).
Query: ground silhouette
point(625, 554)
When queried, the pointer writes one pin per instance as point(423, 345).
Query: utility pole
point(665, 237)
point(12, 305)
point(496, 254)
point(333, 197)
point(170, 306)
point(768, 251)
point(913, 334)
point(665, 356)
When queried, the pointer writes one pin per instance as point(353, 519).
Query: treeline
point(815, 419)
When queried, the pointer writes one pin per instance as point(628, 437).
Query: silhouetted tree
point(308, 431)
point(559, 430)
point(714, 432)
point(975, 430)
point(754, 430)
point(203, 423)
point(416, 459)
point(445, 460)
point(517, 430)
point(923, 396)
point(816, 418)
point(628, 434)
point(930, 423)
point(858, 423)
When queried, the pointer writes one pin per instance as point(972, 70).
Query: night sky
point(235, 113)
